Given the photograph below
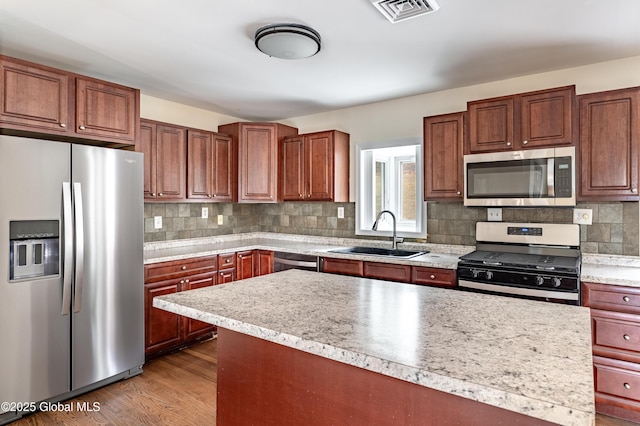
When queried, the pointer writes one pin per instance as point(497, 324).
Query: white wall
point(402, 118)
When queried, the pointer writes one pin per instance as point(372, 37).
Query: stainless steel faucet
point(395, 240)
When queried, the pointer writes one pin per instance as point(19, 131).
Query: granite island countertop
point(525, 356)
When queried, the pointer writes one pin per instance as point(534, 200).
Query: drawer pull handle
point(626, 337)
point(183, 268)
point(627, 386)
point(626, 298)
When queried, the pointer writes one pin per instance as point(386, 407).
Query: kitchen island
point(300, 347)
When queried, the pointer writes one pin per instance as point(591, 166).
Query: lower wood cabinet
point(615, 328)
point(391, 271)
point(165, 331)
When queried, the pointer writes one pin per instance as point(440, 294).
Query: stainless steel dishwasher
point(283, 261)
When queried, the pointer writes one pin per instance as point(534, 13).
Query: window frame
point(361, 188)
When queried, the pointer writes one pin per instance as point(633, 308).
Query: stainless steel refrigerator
point(71, 269)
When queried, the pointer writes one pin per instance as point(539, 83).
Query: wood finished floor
point(177, 389)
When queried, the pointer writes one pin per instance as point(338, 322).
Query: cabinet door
point(226, 275)
point(162, 329)
point(258, 153)
point(319, 166)
point(546, 118)
point(609, 132)
point(199, 167)
point(147, 145)
point(245, 264)
point(443, 157)
point(342, 266)
point(264, 263)
point(171, 162)
point(491, 125)
point(193, 329)
point(387, 271)
point(224, 175)
point(293, 169)
point(106, 110)
point(33, 98)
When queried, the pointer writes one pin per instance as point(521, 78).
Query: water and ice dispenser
point(34, 248)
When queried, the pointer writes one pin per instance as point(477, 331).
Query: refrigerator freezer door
point(35, 336)
point(107, 319)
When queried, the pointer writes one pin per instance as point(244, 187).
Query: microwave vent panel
point(401, 10)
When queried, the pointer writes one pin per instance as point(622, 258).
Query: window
point(389, 177)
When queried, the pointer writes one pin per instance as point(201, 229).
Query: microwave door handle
point(551, 168)
point(67, 220)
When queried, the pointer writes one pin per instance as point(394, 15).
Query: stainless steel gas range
point(538, 261)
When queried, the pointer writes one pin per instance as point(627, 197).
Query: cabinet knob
point(458, 193)
point(508, 143)
point(627, 386)
point(523, 142)
point(209, 195)
point(181, 281)
point(186, 281)
point(160, 194)
point(433, 277)
point(153, 194)
point(82, 127)
point(214, 195)
point(634, 190)
point(63, 125)
point(227, 260)
point(626, 337)
point(626, 298)
point(183, 267)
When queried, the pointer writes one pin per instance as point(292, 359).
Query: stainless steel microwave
point(535, 177)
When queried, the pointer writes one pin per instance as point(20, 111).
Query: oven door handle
point(505, 289)
point(551, 173)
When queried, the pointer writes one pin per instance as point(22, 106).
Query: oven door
point(568, 298)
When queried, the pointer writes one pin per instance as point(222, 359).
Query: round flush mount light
point(288, 41)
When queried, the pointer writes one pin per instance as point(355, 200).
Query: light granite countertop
point(606, 269)
point(526, 356)
point(439, 256)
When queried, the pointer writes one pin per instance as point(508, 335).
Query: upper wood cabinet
point(41, 99)
point(315, 167)
point(443, 154)
point(528, 120)
point(258, 157)
point(211, 167)
point(164, 148)
point(608, 149)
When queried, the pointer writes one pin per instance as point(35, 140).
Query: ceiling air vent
point(401, 10)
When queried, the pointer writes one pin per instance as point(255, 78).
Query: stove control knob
point(539, 280)
point(475, 273)
point(557, 281)
point(489, 275)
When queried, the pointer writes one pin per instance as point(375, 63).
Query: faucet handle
point(399, 240)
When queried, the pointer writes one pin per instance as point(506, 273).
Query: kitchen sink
point(376, 251)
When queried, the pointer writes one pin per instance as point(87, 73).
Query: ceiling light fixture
point(288, 41)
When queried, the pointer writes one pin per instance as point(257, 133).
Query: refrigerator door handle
point(79, 234)
point(67, 216)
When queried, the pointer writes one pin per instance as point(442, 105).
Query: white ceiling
point(202, 53)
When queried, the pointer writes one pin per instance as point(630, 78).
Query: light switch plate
point(340, 212)
point(157, 222)
point(205, 212)
point(494, 215)
point(220, 219)
point(583, 216)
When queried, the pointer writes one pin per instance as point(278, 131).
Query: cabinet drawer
point(617, 378)
point(179, 268)
point(387, 271)
point(611, 297)
point(342, 266)
point(227, 260)
point(616, 330)
point(433, 276)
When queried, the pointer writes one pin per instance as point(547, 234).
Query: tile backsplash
point(615, 228)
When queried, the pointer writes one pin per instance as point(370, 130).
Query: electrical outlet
point(583, 216)
point(340, 212)
point(494, 215)
point(205, 212)
point(220, 219)
point(157, 222)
